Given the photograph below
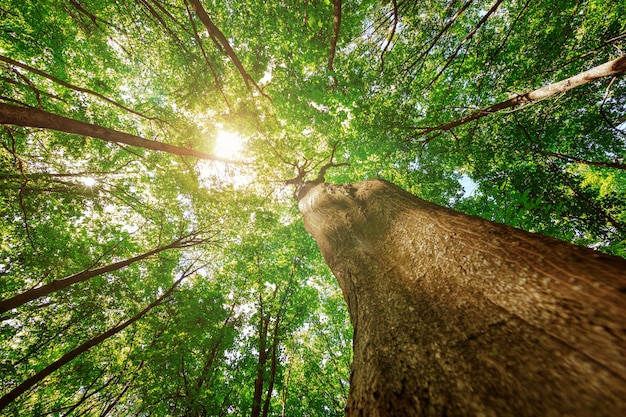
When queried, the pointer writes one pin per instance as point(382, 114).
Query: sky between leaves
point(268, 73)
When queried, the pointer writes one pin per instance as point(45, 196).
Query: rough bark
point(458, 316)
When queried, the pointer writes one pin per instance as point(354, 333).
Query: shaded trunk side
point(458, 316)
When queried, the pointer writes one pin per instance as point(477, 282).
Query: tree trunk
point(457, 316)
point(616, 66)
point(31, 117)
point(6, 399)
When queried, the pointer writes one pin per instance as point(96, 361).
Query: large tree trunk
point(458, 316)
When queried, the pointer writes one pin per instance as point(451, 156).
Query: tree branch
point(394, 25)
point(30, 117)
point(75, 88)
point(69, 356)
point(615, 66)
point(439, 35)
point(214, 31)
point(218, 83)
point(59, 284)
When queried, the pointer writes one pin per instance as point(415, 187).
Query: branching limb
point(10, 396)
point(94, 19)
point(301, 186)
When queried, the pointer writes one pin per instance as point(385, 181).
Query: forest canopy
point(153, 260)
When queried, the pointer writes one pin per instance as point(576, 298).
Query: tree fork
point(458, 316)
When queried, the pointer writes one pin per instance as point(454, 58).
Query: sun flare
point(228, 145)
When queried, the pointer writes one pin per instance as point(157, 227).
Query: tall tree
point(456, 316)
point(89, 90)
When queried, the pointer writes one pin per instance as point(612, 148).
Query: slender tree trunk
point(616, 66)
point(69, 356)
point(59, 284)
point(272, 375)
point(31, 117)
point(262, 361)
point(334, 39)
point(458, 316)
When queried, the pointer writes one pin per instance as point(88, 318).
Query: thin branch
point(570, 158)
point(592, 51)
point(76, 88)
point(603, 113)
point(391, 36)
point(439, 35)
point(94, 19)
point(218, 83)
point(59, 284)
point(499, 49)
point(615, 66)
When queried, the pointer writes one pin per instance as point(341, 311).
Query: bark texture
point(458, 316)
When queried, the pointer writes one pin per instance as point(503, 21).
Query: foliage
point(151, 68)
